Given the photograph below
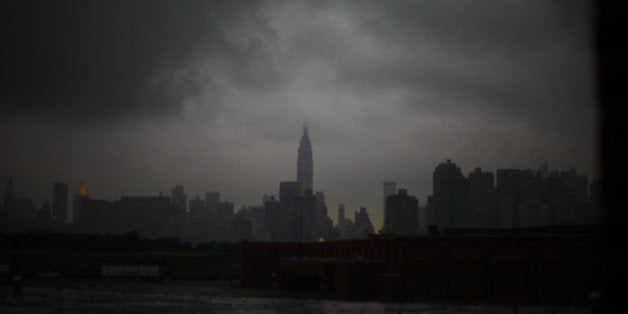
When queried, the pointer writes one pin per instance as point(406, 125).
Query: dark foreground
point(66, 296)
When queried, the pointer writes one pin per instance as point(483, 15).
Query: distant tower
point(402, 211)
point(197, 207)
point(179, 198)
point(60, 203)
point(390, 188)
point(321, 207)
point(79, 199)
point(289, 191)
point(450, 198)
point(305, 164)
point(212, 199)
point(341, 215)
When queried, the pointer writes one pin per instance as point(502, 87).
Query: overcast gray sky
point(134, 97)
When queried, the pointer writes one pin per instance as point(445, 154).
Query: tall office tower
point(321, 207)
point(179, 198)
point(79, 201)
point(390, 188)
point(304, 162)
point(341, 215)
point(212, 199)
point(512, 190)
point(450, 196)
point(402, 211)
point(197, 207)
point(288, 192)
point(481, 199)
point(363, 222)
point(59, 203)
point(271, 215)
point(225, 212)
point(303, 218)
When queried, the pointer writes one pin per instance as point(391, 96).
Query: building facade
point(402, 214)
point(305, 164)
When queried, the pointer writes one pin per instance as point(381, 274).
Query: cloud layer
point(136, 97)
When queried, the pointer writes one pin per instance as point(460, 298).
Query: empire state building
point(305, 164)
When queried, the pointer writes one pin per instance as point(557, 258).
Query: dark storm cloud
point(523, 60)
point(98, 60)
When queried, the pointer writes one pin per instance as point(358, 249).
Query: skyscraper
point(341, 215)
point(305, 164)
point(59, 203)
point(450, 195)
point(402, 211)
point(288, 193)
point(390, 188)
point(79, 200)
point(197, 207)
point(481, 199)
point(321, 207)
point(212, 199)
point(179, 198)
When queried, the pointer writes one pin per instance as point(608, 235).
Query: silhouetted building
point(305, 162)
point(450, 200)
point(179, 198)
point(512, 189)
point(241, 227)
point(341, 215)
point(103, 217)
point(154, 216)
point(212, 199)
point(325, 226)
point(402, 214)
point(297, 212)
point(288, 191)
point(363, 225)
point(321, 207)
point(303, 218)
point(150, 216)
point(481, 199)
point(60, 203)
point(577, 185)
point(257, 214)
point(272, 217)
point(225, 212)
point(79, 200)
point(197, 207)
point(43, 215)
point(390, 188)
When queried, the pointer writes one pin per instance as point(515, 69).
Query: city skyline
point(378, 223)
point(211, 95)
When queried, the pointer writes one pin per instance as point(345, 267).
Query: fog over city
point(135, 97)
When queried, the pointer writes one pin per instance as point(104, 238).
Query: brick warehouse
point(537, 266)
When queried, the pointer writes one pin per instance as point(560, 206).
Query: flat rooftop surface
point(66, 296)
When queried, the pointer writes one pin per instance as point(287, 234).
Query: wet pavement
point(209, 297)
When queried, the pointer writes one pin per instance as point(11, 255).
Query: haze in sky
point(133, 97)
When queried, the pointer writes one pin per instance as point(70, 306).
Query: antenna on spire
point(305, 134)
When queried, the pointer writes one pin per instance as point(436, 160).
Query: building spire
point(305, 164)
point(82, 190)
point(305, 134)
